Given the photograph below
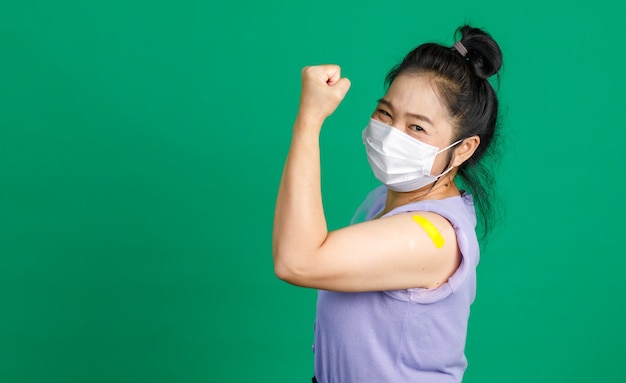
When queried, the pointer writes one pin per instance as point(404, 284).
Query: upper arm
point(390, 253)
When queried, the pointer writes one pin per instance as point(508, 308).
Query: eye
point(383, 113)
point(416, 128)
point(383, 116)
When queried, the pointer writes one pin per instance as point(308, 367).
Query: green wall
point(141, 146)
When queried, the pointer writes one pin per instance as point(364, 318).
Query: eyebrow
point(416, 115)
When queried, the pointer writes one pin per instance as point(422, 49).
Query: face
point(412, 106)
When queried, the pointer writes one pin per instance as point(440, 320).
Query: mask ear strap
point(445, 172)
point(451, 145)
point(449, 162)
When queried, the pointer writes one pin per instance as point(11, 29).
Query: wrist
point(308, 122)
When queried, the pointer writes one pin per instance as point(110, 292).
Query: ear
point(465, 150)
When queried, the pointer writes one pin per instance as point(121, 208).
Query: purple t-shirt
point(411, 335)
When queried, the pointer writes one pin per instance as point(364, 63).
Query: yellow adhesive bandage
point(430, 229)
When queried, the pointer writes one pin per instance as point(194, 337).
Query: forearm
point(299, 221)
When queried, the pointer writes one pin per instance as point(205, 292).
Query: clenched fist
point(323, 89)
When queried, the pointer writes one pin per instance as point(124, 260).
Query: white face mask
point(399, 161)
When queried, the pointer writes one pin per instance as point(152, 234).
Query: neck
point(445, 187)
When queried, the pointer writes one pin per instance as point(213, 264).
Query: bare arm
point(383, 254)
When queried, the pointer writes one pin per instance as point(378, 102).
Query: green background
point(141, 146)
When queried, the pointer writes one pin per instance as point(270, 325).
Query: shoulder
point(435, 227)
point(458, 210)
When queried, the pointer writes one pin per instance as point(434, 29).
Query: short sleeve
point(372, 205)
point(460, 213)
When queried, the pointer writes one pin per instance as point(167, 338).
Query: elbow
point(279, 265)
point(281, 268)
point(288, 272)
point(282, 272)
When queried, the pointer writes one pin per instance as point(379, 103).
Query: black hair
point(461, 76)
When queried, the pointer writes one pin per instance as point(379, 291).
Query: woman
point(395, 289)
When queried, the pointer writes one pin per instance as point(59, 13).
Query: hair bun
point(483, 53)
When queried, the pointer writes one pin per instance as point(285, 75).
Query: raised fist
point(322, 91)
